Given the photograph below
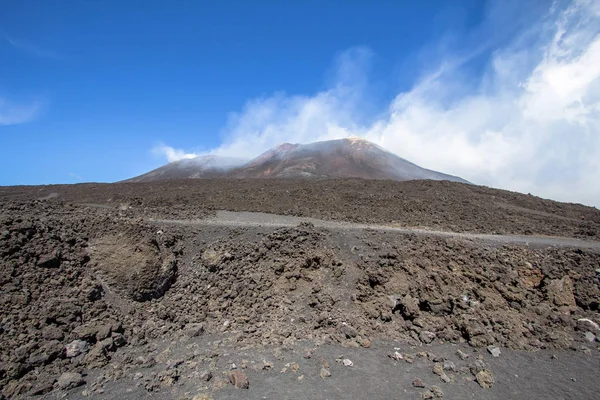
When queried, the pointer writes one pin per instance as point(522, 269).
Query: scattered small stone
point(426, 336)
point(194, 330)
point(449, 366)
point(202, 396)
point(494, 351)
point(118, 339)
point(325, 373)
point(428, 394)
point(347, 362)
point(396, 356)
point(366, 343)
point(437, 392)
point(590, 337)
point(462, 354)
point(418, 382)
point(301, 377)
point(438, 369)
point(477, 366)
point(205, 376)
point(485, 379)
point(70, 380)
point(295, 367)
point(409, 358)
point(348, 331)
point(267, 365)
point(239, 380)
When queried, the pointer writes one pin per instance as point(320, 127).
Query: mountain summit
point(343, 158)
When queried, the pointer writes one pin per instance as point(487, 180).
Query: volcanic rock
point(485, 379)
point(70, 380)
point(139, 269)
point(76, 347)
point(239, 380)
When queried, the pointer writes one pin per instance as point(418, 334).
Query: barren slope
point(439, 205)
point(102, 295)
point(344, 158)
point(200, 167)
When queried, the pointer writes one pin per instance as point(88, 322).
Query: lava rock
point(76, 347)
point(494, 351)
point(325, 373)
point(590, 337)
point(239, 380)
point(52, 332)
point(485, 379)
point(418, 382)
point(426, 336)
point(194, 330)
point(348, 331)
point(70, 380)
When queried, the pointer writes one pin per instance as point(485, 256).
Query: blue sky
point(102, 90)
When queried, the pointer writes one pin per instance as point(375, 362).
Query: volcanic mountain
point(343, 158)
point(193, 168)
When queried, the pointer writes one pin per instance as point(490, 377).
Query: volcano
point(342, 158)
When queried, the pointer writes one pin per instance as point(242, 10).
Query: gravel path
point(256, 219)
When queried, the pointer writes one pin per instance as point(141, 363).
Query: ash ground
point(138, 290)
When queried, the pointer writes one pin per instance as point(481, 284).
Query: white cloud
point(12, 114)
point(531, 123)
point(75, 176)
point(172, 154)
point(32, 49)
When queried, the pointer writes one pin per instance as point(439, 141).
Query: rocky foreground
point(122, 297)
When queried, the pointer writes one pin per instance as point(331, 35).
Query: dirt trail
point(257, 219)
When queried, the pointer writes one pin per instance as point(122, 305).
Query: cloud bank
point(530, 122)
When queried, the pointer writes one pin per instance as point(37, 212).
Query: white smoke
point(172, 154)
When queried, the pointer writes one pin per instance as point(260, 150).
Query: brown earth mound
point(135, 268)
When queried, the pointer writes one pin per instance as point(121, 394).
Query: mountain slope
point(200, 167)
point(344, 158)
